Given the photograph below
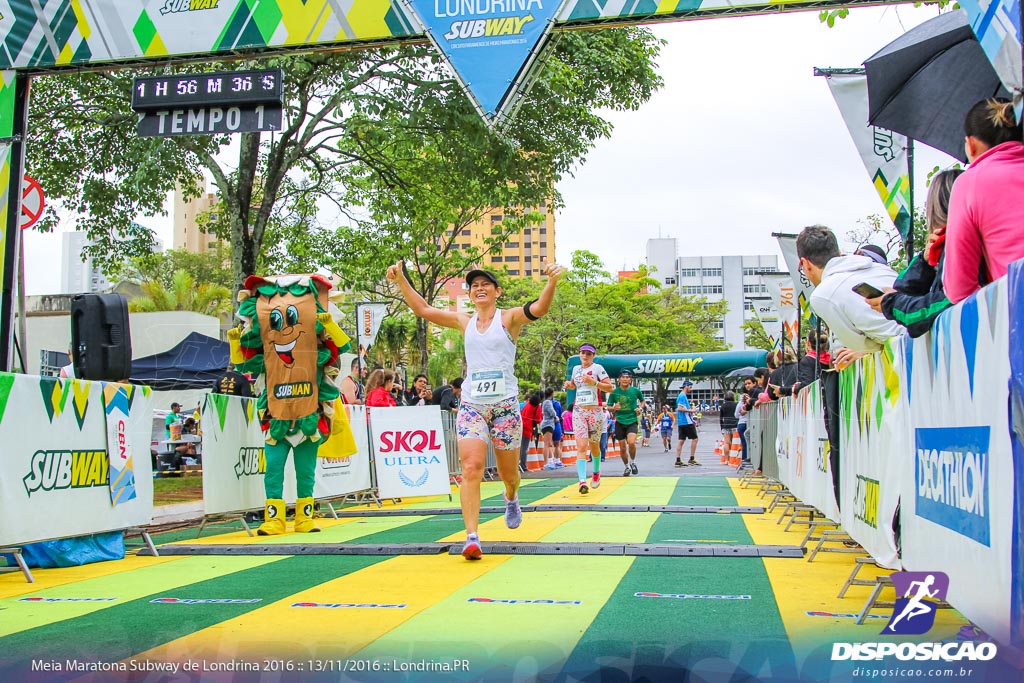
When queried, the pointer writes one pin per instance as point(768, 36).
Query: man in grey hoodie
point(854, 323)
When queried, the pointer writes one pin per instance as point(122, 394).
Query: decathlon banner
point(490, 44)
point(883, 152)
point(410, 455)
point(959, 476)
point(54, 464)
point(128, 437)
point(234, 462)
point(874, 432)
point(784, 299)
point(803, 450)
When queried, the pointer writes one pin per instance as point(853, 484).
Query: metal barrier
point(766, 418)
point(451, 443)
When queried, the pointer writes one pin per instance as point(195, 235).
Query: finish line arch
point(70, 35)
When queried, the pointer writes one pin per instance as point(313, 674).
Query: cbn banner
point(874, 438)
point(883, 152)
point(997, 23)
point(958, 492)
point(234, 462)
point(54, 464)
point(411, 459)
point(128, 437)
point(803, 453)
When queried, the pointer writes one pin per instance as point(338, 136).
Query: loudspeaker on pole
point(101, 344)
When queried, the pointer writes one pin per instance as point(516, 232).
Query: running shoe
point(472, 551)
point(633, 469)
point(558, 463)
point(627, 472)
point(513, 513)
point(596, 480)
point(692, 462)
point(549, 466)
point(583, 488)
point(679, 463)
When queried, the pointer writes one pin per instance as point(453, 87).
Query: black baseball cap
point(475, 273)
point(625, 373)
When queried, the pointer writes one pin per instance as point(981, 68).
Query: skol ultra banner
point(234, 462)
point(883, 152)
point(873, 435)
point(410, 456)
point(55, 475)
point(960, 479)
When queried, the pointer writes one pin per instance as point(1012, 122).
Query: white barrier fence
point(55, 474)
point(932, 428)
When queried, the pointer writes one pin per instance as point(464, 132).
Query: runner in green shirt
point(627, 401)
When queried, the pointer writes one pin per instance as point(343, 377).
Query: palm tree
point(184, 295)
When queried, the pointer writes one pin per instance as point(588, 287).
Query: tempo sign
point(209, 103)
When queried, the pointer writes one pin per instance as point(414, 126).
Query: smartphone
point(867, 291)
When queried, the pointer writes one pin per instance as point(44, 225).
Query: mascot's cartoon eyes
point(276, 319)
point(291, 314)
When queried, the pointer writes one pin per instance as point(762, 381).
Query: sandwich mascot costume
point(288, 336)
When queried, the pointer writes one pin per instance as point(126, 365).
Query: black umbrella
point(741, 372)
point(923, 83)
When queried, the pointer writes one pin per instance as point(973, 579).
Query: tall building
point(732, 278)
point(522, 254)
point(78, 276)
point(187, 233)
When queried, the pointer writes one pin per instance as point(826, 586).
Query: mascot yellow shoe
point(304, 516)
point(273, 520)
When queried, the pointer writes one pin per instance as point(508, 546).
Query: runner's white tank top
point(492, 349)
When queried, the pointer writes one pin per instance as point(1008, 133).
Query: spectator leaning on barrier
point(817, 360)
point(985, 231)
point(919, 297)
point(853, 322)
point(785, 378)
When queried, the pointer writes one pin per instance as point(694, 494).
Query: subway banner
point(234, 462)
point(802, 448)
point(410, 454)
point(883, 152)
point(960, 471)
point(55, 473)
point(873, 428)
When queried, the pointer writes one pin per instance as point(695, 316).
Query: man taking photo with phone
point(860, 328)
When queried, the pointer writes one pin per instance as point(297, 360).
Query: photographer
point(419, 394)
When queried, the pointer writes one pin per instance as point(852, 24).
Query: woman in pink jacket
point(985, 232)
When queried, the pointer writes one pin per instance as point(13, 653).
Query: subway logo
point(58, 470)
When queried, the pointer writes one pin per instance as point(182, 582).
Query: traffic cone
point(736, 452)
point(720, 452)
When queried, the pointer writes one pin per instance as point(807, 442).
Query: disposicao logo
point(914, 614)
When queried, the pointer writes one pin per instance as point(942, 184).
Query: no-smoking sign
point(32, 202)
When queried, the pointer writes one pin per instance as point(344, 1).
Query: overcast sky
point(742, 141)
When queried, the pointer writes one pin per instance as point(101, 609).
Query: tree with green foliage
point(183, 295)
point(617, 316)
point(386, 134)
point(210, 268)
